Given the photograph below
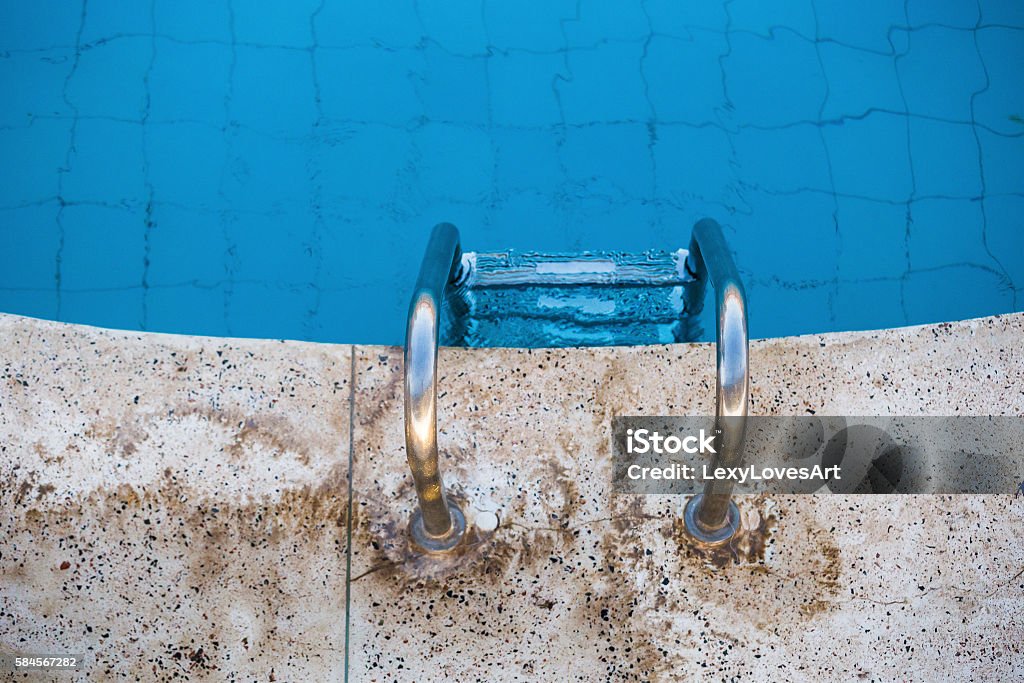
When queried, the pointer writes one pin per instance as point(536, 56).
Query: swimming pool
point(273, 170)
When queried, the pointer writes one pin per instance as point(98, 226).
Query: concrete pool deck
point(175, 505)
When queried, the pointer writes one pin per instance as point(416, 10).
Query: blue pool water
point(273, 169)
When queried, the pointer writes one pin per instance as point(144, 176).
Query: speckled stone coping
point(173, 505)
point(178, 506)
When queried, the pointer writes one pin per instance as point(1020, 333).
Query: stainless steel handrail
point(712, 516)
point(438, 524)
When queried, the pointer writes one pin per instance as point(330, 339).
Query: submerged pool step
point(599, 298)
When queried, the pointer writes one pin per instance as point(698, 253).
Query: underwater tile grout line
point(438, 525)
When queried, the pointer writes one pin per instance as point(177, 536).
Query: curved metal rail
point(712, 516)
point(438, 524)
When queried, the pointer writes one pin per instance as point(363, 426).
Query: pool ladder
point(711, 517)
